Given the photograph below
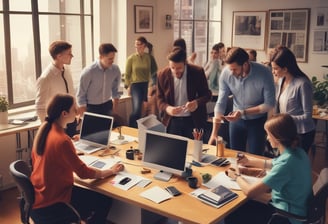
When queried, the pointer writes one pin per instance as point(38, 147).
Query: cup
point(130, 154)
point(197, 153)
point(192, 182)
point(219, 146)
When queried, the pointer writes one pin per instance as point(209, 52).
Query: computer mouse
point(125, 180)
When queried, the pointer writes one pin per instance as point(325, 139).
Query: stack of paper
point(156, 194)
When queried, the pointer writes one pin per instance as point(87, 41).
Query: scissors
point(198, 133)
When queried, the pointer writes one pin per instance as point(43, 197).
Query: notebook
point(94, 133)
point(217, 196)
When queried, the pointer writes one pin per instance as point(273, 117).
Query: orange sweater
point(52, 175)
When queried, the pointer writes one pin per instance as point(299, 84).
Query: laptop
point(94, 133)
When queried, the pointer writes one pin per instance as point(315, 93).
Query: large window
point(26, 30)
point(199, 23)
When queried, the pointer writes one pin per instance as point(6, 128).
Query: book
point(217, 196)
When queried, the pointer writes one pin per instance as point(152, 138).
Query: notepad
point(218, 196)
point(156, 194)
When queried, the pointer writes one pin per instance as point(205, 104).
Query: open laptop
point(94, 133)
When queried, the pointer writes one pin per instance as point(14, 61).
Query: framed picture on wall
point(143, 19)
point(289, 27)
point(249, 29)
point(321, 17)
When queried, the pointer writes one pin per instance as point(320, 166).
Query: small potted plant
point(4, 105)
point(320, 91)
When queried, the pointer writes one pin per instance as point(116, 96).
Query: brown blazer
point(197, 89)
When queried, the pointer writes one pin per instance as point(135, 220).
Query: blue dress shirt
point(98, 85)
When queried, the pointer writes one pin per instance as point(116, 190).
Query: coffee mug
point(192, 182)
point(130, 154)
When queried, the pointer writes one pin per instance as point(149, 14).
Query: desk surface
point(184, 208)
point(8, 129)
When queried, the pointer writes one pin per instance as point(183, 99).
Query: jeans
point(251, 132)
point(58, 213)
point(139, 94)
point(306, 140)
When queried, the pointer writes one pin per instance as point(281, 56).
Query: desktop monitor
point(165, 152)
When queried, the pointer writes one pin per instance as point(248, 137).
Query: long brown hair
point(283, 128)
point(58, 104)
point(285, 58)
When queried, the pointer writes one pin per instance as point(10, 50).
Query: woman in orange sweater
point(54, 160)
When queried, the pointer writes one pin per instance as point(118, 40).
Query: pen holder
point(197, 153)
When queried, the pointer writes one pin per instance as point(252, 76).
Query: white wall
point(313, 66)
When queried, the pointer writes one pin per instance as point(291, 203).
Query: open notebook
point(95, 132)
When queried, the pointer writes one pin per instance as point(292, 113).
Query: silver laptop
point(94, 133)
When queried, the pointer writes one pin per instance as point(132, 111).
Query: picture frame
point(289, 27)
point(321, 18)
point(143, 18)
point(249, 29)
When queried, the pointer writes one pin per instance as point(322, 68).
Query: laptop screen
point(96, 129)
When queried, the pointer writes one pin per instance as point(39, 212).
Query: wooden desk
point(184, 208)
point(29, 127)
point(325, 119)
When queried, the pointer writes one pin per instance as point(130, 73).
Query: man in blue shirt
point(252, 87)
point(99, 84)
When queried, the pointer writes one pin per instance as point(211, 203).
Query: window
point(199, 23)
point(26, 30)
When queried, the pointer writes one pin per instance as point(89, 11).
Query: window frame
point(35, 13)
point(177, 21)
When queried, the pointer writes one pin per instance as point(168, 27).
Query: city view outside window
point(25, 35)
point(199, 23)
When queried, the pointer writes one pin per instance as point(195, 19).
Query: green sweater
point(139, 68)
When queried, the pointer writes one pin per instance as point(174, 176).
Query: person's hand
point(212, 140)
point(117, 168)
point(76, 137)
point(233, 116)
point(242, 159)
point(232, 173)
point(191, 106)
point(174, 110)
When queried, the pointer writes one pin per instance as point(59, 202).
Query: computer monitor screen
point(96, 129)
point(165, 152)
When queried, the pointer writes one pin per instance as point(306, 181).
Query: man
point(56, 78)
point(182, 94)
point(251, 85)
point(214, 67)
point(99, 84)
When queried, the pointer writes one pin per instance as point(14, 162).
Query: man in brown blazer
point(182, 94)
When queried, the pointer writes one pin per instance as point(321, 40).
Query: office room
point(114, 21)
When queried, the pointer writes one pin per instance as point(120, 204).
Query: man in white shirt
point(56, 78)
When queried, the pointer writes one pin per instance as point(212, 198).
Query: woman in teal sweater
point(289, 180)
point(138, 72)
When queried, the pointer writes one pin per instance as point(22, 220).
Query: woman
point(138, 71)
point(294, 95)
point(54, 160)
point(289, 180)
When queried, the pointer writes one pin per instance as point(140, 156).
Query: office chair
point(317, 207)
point(21, 173)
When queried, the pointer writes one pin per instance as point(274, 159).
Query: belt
point(181, 118)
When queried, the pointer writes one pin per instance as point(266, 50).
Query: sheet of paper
point(156, 194)
point(127, 138)
point(135, 179)
point(222, 179)
point(100, 163)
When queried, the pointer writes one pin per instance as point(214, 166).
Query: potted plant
point(4, 105)
point(320, 91)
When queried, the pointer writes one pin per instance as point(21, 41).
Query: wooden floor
point(9, 211)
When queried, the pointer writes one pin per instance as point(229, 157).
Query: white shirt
point(48, 85)
point(180, 93)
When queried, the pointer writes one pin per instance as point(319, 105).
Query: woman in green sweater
point(138, 72)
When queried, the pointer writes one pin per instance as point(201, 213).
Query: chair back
point(21, 173)
point(317, 207)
